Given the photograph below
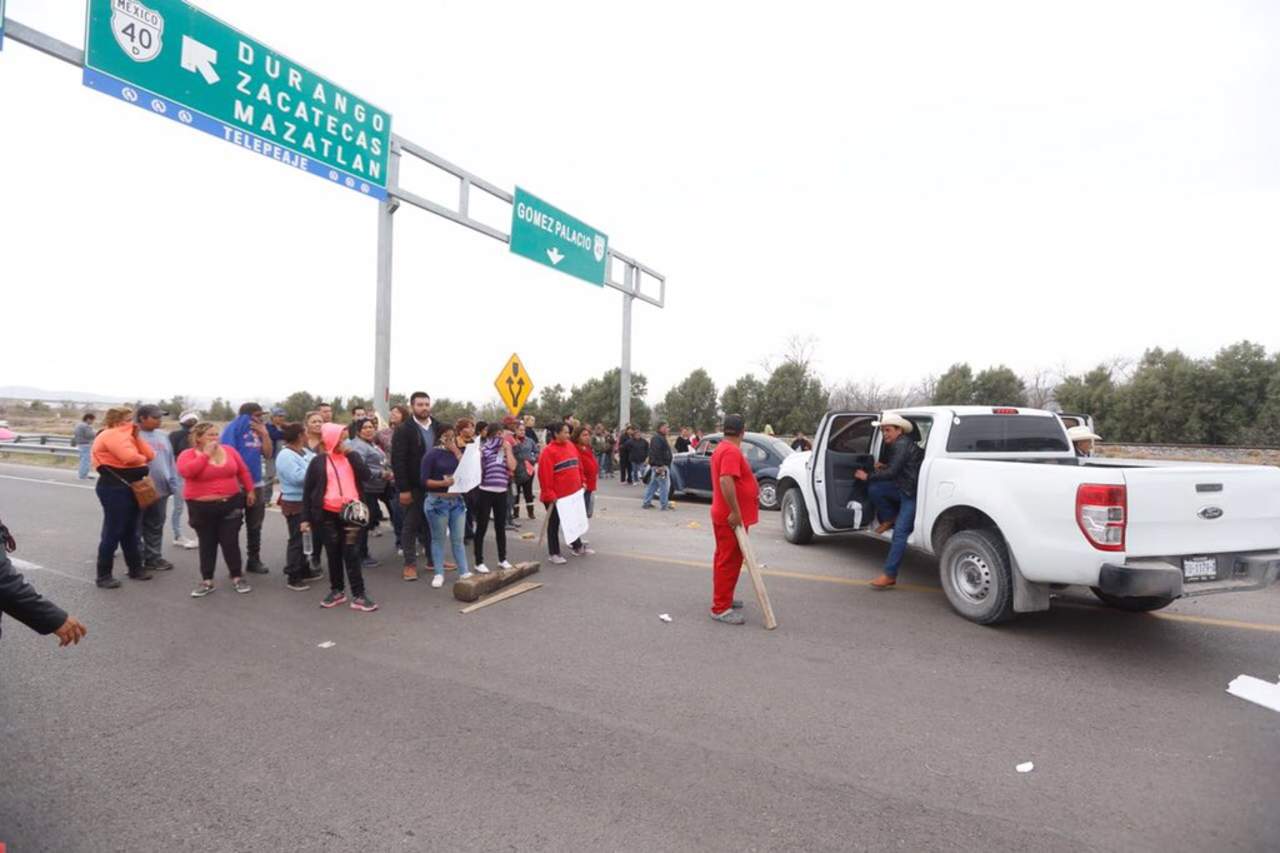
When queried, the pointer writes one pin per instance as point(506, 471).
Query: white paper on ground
point(1026, 767)
point(572, 510)
point(469, 472)
point(1256, 690)
point(327, 644)
point(665, 617)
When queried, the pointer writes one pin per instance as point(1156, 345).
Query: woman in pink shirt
point(217, 486)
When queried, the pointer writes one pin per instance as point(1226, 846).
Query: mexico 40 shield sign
point(173, 60)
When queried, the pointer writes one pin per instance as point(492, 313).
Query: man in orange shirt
point(735, 502)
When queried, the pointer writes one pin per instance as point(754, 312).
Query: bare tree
point(867, 396)
point(1040, 385)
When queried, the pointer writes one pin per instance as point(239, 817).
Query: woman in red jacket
point(590, 467)
point(217, 486)
point(559, 475)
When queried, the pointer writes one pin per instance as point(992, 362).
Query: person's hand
point(735, 520)
point(304, 527)
point(448, 481)
point(259, 428)
point(406, 498)
point(860, 474)
point(135, 429)
point(71, 632)
point(250, 498)
point(880, 466)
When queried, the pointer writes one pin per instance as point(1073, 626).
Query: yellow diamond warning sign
point(514, 385)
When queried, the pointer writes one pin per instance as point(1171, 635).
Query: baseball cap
point(151, 410)
point(188, 417)
point(278, 410)
point(734, 424)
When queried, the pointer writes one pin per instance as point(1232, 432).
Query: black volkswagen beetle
point(692, 470)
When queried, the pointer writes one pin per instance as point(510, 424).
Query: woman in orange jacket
point(120, 457)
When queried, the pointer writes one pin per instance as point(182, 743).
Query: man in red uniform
point(735, 502)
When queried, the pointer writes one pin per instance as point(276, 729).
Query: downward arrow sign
point(555, 255)
point(200, 58)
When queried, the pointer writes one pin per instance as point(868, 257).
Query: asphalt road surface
point(572, 718)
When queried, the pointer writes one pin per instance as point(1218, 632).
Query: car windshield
point(779, 446)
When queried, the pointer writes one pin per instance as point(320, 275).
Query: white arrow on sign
point(555, 255)
point(199, 57)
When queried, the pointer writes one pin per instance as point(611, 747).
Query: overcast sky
point(1042, 185)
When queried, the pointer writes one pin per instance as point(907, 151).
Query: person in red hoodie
point(333, 481)
point(559, 475)
point(590, 468)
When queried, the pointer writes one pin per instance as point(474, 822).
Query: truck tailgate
point(1202, 509)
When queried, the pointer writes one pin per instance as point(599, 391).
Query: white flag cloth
point(572, 510)
point(468, 475)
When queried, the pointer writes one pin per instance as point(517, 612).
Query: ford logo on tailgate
point(1209, 513)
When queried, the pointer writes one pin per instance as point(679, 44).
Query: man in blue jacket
point(248, 435)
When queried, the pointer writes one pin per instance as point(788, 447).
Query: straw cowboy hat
point(895, 420)
point(1082, 433)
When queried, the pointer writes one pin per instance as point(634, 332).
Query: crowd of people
point(339, 485)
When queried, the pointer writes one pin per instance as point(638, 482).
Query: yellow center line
point(911, 587)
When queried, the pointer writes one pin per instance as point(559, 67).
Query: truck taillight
point(1004, 411)
point(1102, 513)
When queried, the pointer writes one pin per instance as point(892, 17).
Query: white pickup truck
point(1012, 514)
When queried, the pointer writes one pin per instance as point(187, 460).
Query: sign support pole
point(382, 322)
point(624, 378)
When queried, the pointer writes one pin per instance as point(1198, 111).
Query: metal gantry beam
point(633, 271)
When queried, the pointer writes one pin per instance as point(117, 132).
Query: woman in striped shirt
point(498, 463)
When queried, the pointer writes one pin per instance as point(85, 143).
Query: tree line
point(1232, 398)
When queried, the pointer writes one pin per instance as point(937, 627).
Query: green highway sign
point(552, 237)
point(1, 24)
point(174, 60)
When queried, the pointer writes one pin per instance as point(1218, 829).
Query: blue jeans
point(84, 461)
point(447, 515)
point(892, 505)
point(120, 517)
point(178, 505)
point(660, 486)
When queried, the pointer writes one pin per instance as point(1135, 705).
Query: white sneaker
point(189, 544)
point(505, 564)
point(557, 560)
point(466, 575)
point(482, 569)
point(437, 581)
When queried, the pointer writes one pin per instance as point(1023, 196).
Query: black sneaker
point(314, 576)
point(143, 575)
point(159, 565)
point(108, 583)
point(298, 585)
point(255, 567)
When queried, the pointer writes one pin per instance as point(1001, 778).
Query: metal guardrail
point(64, 450)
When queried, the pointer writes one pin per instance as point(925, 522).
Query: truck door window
point(852, 434)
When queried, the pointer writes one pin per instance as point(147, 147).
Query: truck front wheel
point(974, 567)
point(1133, 604)
point(795, 518)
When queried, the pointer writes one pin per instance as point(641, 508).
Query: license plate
point(1200, 568)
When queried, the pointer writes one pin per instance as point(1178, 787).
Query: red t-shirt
point(728, 461)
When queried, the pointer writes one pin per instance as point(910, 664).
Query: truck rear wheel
point(1133, 604)
point(975, 573)
point(795, 518)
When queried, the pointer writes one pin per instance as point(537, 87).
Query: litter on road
point(1025, 767)
point(327, 644)
point(665, 617)
point(1256, 690)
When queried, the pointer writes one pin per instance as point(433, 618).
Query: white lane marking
point(28, 566)
point(44, 482)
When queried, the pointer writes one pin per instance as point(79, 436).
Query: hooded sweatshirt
point(559, 471)
point(590, 467)
point(240, 435)
point(331, 478)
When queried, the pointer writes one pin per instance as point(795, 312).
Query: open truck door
point(843, 445)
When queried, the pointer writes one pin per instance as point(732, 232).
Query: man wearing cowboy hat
point(892, 489)
point(1083, 438)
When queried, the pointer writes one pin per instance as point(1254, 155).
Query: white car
point(1012, 513)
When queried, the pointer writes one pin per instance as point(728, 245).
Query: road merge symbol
point(514, 385)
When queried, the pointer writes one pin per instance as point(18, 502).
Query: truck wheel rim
point(971, 577)
point(789, 514)
point(768, 495)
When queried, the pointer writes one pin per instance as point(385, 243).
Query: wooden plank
point(757, 579)
point(477, 586)
point(511, 592)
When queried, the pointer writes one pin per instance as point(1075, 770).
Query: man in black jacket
point(892, 489)
point(660, 462)
point(409, 443)
point(20, 600)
